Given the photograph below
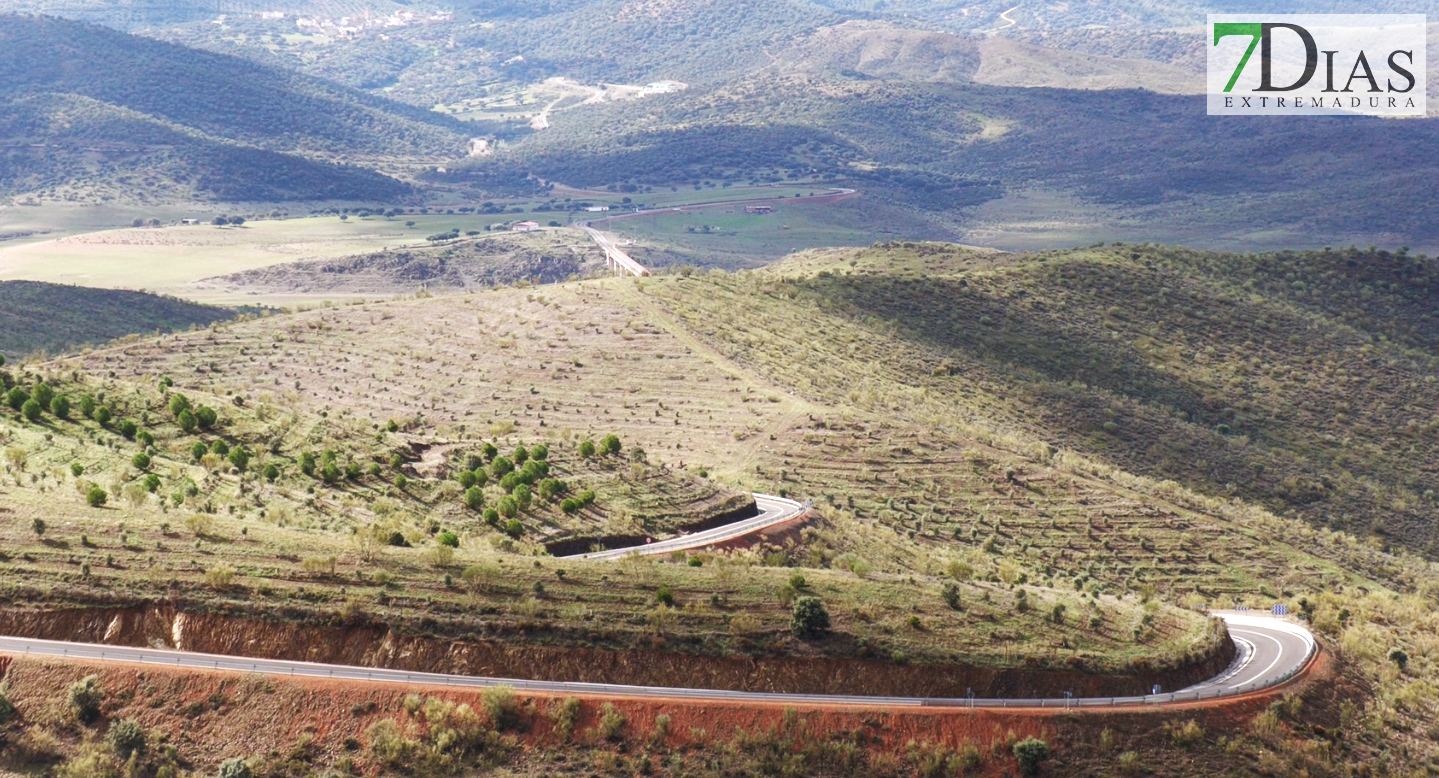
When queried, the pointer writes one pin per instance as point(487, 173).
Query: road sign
point(1241, 609)
point(1280, 610)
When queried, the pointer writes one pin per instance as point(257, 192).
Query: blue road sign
point(1280, 610)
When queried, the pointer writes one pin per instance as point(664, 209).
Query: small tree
point(540, 452)
point(198, 451)
point(1031, 752)
point(96, 497)
point(87, 406)
point(501, 467)
point(307, 464)
point(271, 472)
point(508, 507)
point(474, 498)
point(523, 497)
point(103, 416)
point(466, 479)
point(448, 538)
point(206, 417)
point(502, 707)
point(331, 473)
point(16, 398)
point(809, 617)
point(610, 445)
point(128, 429)
point(179, 403)
point(39, 526)
point(521, 454)
point(85, 697)
point(587, 449)
point(187, 421)
point(240, 458)
point(43, 394)
point(30, 410)
point(141, 461)
point(60, 407)
point(950, 593)
point(514, 528)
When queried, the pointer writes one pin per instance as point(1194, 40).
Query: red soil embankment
point(379, 646)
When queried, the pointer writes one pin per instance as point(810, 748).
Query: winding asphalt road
point(773, 510)
point(1271, 652)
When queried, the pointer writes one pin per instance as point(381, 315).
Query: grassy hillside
point(965, 443)
point(86, 102)
point(37, 316)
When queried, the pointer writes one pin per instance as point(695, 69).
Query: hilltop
point(37, 316)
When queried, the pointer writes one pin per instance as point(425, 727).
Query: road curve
point(1271, 652)
point(773, 510)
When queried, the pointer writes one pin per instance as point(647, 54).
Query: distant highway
point(773, 511)
point(1270, 652)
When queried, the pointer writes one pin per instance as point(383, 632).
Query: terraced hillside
point(1005, 430)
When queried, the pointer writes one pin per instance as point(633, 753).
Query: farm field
point(169, 260)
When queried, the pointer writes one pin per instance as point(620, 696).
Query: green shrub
point(523, 497)
point(508, 507)
point(85, 697)
point(271, 472)
point(179, 403)
point(587, 497)
point(551, 488)
point(235, 768)
point(30, 410)
point(521, 454)
point(141, 461)
point(353, 471)
point(809, 617)
point(610, 445)
point(43, 394)
point(950, 593)
point(187, 421)
point(611, 725)
point(570, 505)
point(128, 429)
point(500, 703)
point(219, 448)
point(448, 538)
point(564, 713)
point(665, 595)
point(514, 528)
point(331, 473)
point(96, 497)
point(481, 477)
point(489, 452)
point(1031, 752)
point(17, 397)
point(509, 482)
point(145, 438)
point(60, 407)
point(125, 737)
point(151, 482)
point(307, 464)
point(492, 516)
point(540, 452)
point(77, 469)
point(87, 406)
point(401, 481)
point(206, 417)
point(587, 449)
point(474, 498)
point(466, 479)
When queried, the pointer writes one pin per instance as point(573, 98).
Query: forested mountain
point(87, 106)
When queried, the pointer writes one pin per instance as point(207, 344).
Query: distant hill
point(55, 318)
point(88, 110)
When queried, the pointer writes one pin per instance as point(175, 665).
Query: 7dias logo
point(1316, 64)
